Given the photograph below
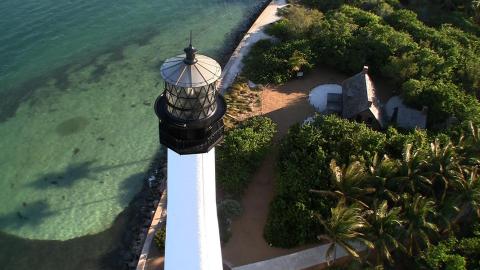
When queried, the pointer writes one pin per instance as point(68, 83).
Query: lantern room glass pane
point(191, 103)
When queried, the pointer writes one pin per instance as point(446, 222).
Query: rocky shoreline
point(142, 208)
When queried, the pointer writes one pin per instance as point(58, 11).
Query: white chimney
point(365, 69)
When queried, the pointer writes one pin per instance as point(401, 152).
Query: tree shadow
point(65, 178)
point(130, 186)
point(31, 214)
point(74, 173)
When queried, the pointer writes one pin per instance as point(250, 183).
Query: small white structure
point(319, 95)
point(403, 116)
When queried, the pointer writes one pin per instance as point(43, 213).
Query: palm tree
point(411, 171)
point(382, 177)
point(418, 211)
point(469, 146)
point(385, 226)
point(348, 182)
point(441, 167)
point(476, 10)
point(297, 61)
point(467, 191)
point(344, 228)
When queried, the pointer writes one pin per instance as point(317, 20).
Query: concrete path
point(158, 219)
point(254, 34)
point(298, 260)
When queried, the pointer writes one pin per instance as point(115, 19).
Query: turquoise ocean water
point(77, 128)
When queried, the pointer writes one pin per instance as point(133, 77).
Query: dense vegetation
point(241, 152)
point(304, 156)
point(398, 193)
point(434, 67)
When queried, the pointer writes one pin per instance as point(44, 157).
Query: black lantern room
point(190, 109)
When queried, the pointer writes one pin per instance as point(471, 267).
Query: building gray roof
point(203, 72)
point(410, 118)
point(359, 95)
point(405, 117)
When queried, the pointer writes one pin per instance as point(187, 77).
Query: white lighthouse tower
point(190, 111)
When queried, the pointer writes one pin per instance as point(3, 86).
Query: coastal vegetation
point(241, 152)
point(413, 195)
point(437, 67)
point(352, 189)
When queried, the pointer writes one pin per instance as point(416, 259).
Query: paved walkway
point(298, 260)
point(254, 34)
point(147, 261)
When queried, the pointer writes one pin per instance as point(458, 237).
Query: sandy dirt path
point(286, 105)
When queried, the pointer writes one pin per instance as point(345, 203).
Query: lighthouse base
point(193, 240)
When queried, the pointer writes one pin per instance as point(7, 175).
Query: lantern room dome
point(179, 72)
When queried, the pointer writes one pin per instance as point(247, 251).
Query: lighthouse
point(190, 112)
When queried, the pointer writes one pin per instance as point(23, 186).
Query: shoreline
point(255, 33)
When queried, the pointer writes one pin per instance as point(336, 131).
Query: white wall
point(193, 240)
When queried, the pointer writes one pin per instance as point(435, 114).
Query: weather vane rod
point(190, 37)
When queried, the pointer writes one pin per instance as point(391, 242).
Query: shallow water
point(77, 128)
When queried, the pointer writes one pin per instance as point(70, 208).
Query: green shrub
point(443, 100)
point(159, 238)
point(396, 141)
point(296, 23)
point(324, 5)
point(241, 153)
point(302, 162)
point(227, 210)
point(453, 254)
point(304, 159)
point(270, 62)
point(440, 256)
point(289, 224)
point(346, 140)
point(470, 249)
point(230, 209)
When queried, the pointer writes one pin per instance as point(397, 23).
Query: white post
point(193, 241)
